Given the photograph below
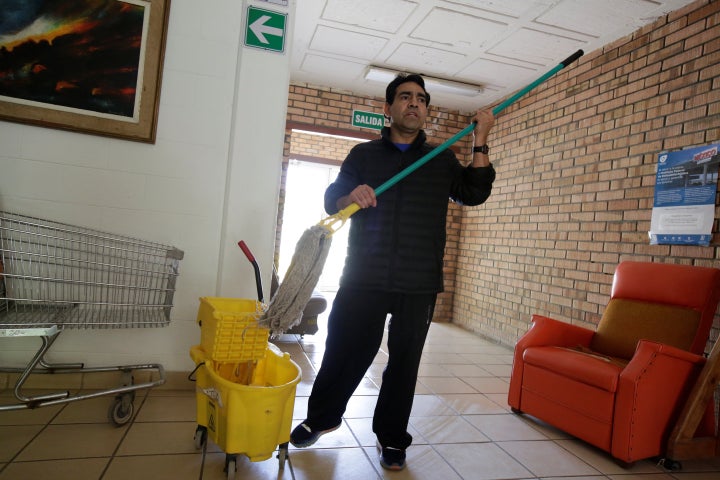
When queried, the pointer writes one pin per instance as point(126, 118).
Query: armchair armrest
point(548, 331)
point(651, 392)
point(543, 331)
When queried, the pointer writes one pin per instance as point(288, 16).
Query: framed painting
point(91, 66)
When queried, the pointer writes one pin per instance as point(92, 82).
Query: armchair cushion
point(593, 370)
point(626, 322)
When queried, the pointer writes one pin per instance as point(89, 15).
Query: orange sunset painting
point(81, 54)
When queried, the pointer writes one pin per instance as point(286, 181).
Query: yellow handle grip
point(333, 223)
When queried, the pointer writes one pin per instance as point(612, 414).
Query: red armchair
point(621, 387)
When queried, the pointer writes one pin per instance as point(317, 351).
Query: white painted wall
point(210, 180)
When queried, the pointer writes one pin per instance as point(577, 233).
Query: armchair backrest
point(667, 303)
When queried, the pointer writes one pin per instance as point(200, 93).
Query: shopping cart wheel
point(121, 410)
point(282, 454)
point(200, 436)
point(230, 466)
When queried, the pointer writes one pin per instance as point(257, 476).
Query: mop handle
point(345, 213)
point(537, 82)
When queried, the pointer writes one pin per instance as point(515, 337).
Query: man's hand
point(363, 195)
point(485, 121)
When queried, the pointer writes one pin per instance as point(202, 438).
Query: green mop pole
point(537, 82)
point(432, 154)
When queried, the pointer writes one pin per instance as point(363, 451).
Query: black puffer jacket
point(398, 246)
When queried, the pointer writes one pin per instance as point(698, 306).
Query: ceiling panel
point(535, 47)
point(488, 71)
point(334, 67)
point(383, 15)
point(501, 44)
point(596, 18)
point(509, 8)
point(468, 30)
point(346, 43)
point(426, 60)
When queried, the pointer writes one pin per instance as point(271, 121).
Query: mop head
point(286, 307)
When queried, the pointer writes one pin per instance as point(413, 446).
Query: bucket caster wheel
point(230, 466)
point(200, 437)
point(282, 454)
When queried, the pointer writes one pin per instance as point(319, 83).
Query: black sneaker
point(392, 458)
point(304, 436)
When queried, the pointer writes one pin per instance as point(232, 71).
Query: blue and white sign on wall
point(685, 189)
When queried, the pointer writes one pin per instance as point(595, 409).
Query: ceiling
point(501, 45)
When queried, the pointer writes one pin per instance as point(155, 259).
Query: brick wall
point(322, 148)
point(576, 165)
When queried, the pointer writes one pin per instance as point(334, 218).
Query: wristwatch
point(481, 149)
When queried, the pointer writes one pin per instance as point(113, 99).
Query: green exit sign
point(265, 29)
point(362, 119)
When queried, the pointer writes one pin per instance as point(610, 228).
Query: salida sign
point(362, 119)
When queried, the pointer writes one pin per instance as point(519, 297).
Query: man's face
point(409, 109)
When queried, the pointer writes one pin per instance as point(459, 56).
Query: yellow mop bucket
point(248, 419)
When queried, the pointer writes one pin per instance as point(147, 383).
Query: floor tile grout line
point(580, 458)
point(124, 435)
point(363, 449)
point(499, 445)
point(37, 434)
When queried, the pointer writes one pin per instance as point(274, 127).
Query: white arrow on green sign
point(265, 29)
point(375, 121)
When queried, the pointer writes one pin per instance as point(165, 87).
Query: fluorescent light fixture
point(432, 84)
point(377, 74)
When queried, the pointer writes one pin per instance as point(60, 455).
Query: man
point(393, 266)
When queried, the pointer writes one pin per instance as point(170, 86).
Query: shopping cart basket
point(55, 276)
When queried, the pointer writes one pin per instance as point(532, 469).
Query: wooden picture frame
point(90, 66)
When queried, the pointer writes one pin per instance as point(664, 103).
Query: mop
point(311, 251)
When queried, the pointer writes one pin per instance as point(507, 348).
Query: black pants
point(355, 331)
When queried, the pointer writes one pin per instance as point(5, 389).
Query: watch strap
point(481, 149)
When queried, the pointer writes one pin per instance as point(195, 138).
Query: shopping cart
point(55, 276)
point(245, 386)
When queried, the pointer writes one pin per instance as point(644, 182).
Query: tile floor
point(460, 421)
